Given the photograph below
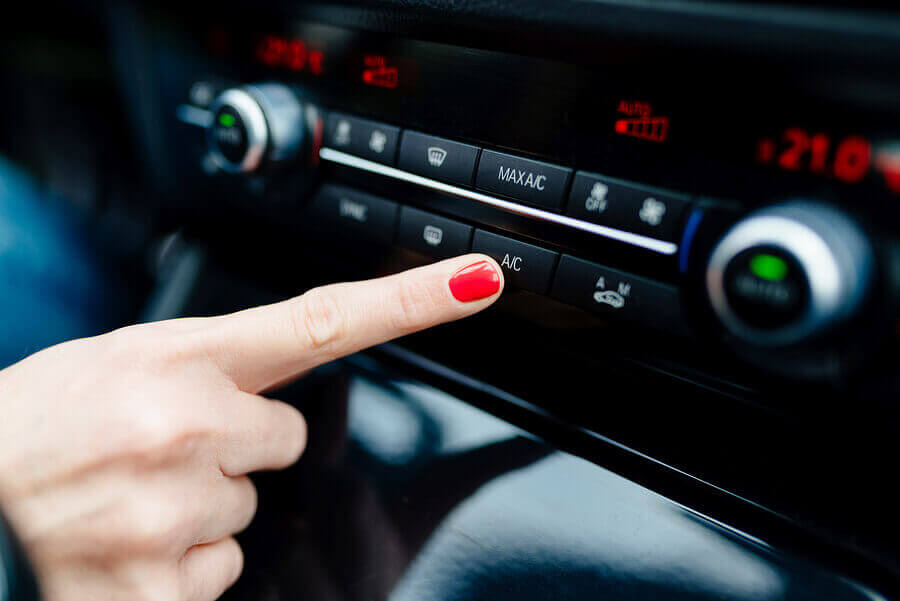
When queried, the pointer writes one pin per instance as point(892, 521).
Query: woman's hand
point(123, 458)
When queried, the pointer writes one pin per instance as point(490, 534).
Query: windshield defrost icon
point(436, 156)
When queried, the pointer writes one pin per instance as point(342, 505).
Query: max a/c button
point(617, 294)
point(535, 182)
point(357, 212)
point(524, 265)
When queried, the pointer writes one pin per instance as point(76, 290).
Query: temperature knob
point(787, 273)
point(256, 124)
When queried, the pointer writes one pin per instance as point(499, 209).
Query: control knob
point(257, 124)
point(787, 273)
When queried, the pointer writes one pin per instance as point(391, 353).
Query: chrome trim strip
point(342, 158)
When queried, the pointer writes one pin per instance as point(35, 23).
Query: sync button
point(356, 212)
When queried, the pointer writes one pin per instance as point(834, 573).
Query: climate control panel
point(785, 277)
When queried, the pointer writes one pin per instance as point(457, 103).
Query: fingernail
point(474, 282)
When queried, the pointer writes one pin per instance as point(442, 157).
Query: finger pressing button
point(524, 265)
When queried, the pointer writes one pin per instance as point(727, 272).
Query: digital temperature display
point(847, 159)
point(290, 53)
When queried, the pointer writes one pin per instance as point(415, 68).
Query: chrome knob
point(787, 273)
point(255, 124)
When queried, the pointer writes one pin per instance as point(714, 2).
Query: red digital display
point(848, 159)
point(377, 72)
point(290, 53)
point(641, 122)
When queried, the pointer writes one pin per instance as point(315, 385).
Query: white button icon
point(652, 211)
point(432, 235)
point(377, 141)
point(436, 156)
point(353, 210)
point(613, 298)
point(596, 202)
point(512, 262)
point(342, 133)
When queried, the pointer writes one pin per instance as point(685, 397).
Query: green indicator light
point(226, 119)
point(769, 267)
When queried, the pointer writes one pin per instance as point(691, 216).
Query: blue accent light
point(690, 230)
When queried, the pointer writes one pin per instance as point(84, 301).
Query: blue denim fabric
point(53, 284)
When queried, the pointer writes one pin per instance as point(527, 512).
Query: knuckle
point(159, 346)
point(249, 505)
point(318, 318)
point(415, 306)
point(162, 585)
point(297, 436)
point(236, 558)
point(154, 527)
point(163, 436)
point(132, 345)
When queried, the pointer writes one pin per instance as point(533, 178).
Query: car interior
point(688, 389)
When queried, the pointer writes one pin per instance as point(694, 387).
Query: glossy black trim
point(713, 502)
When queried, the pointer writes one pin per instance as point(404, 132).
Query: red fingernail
point(477, 281)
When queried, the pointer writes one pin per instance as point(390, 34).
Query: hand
point(123, 458)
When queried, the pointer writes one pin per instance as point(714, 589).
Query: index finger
point(266, 345)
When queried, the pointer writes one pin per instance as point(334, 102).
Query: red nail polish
point(474, 282)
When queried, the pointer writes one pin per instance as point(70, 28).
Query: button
point(364, 138)
point(535, 182)
point(524, 265)
point(437, 158)
point(766, 287)
point(356, 211)
point(626, 206)
point(618, 294)
point(432, 235)
point(230, 134)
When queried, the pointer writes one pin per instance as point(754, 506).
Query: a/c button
point(524, 265)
